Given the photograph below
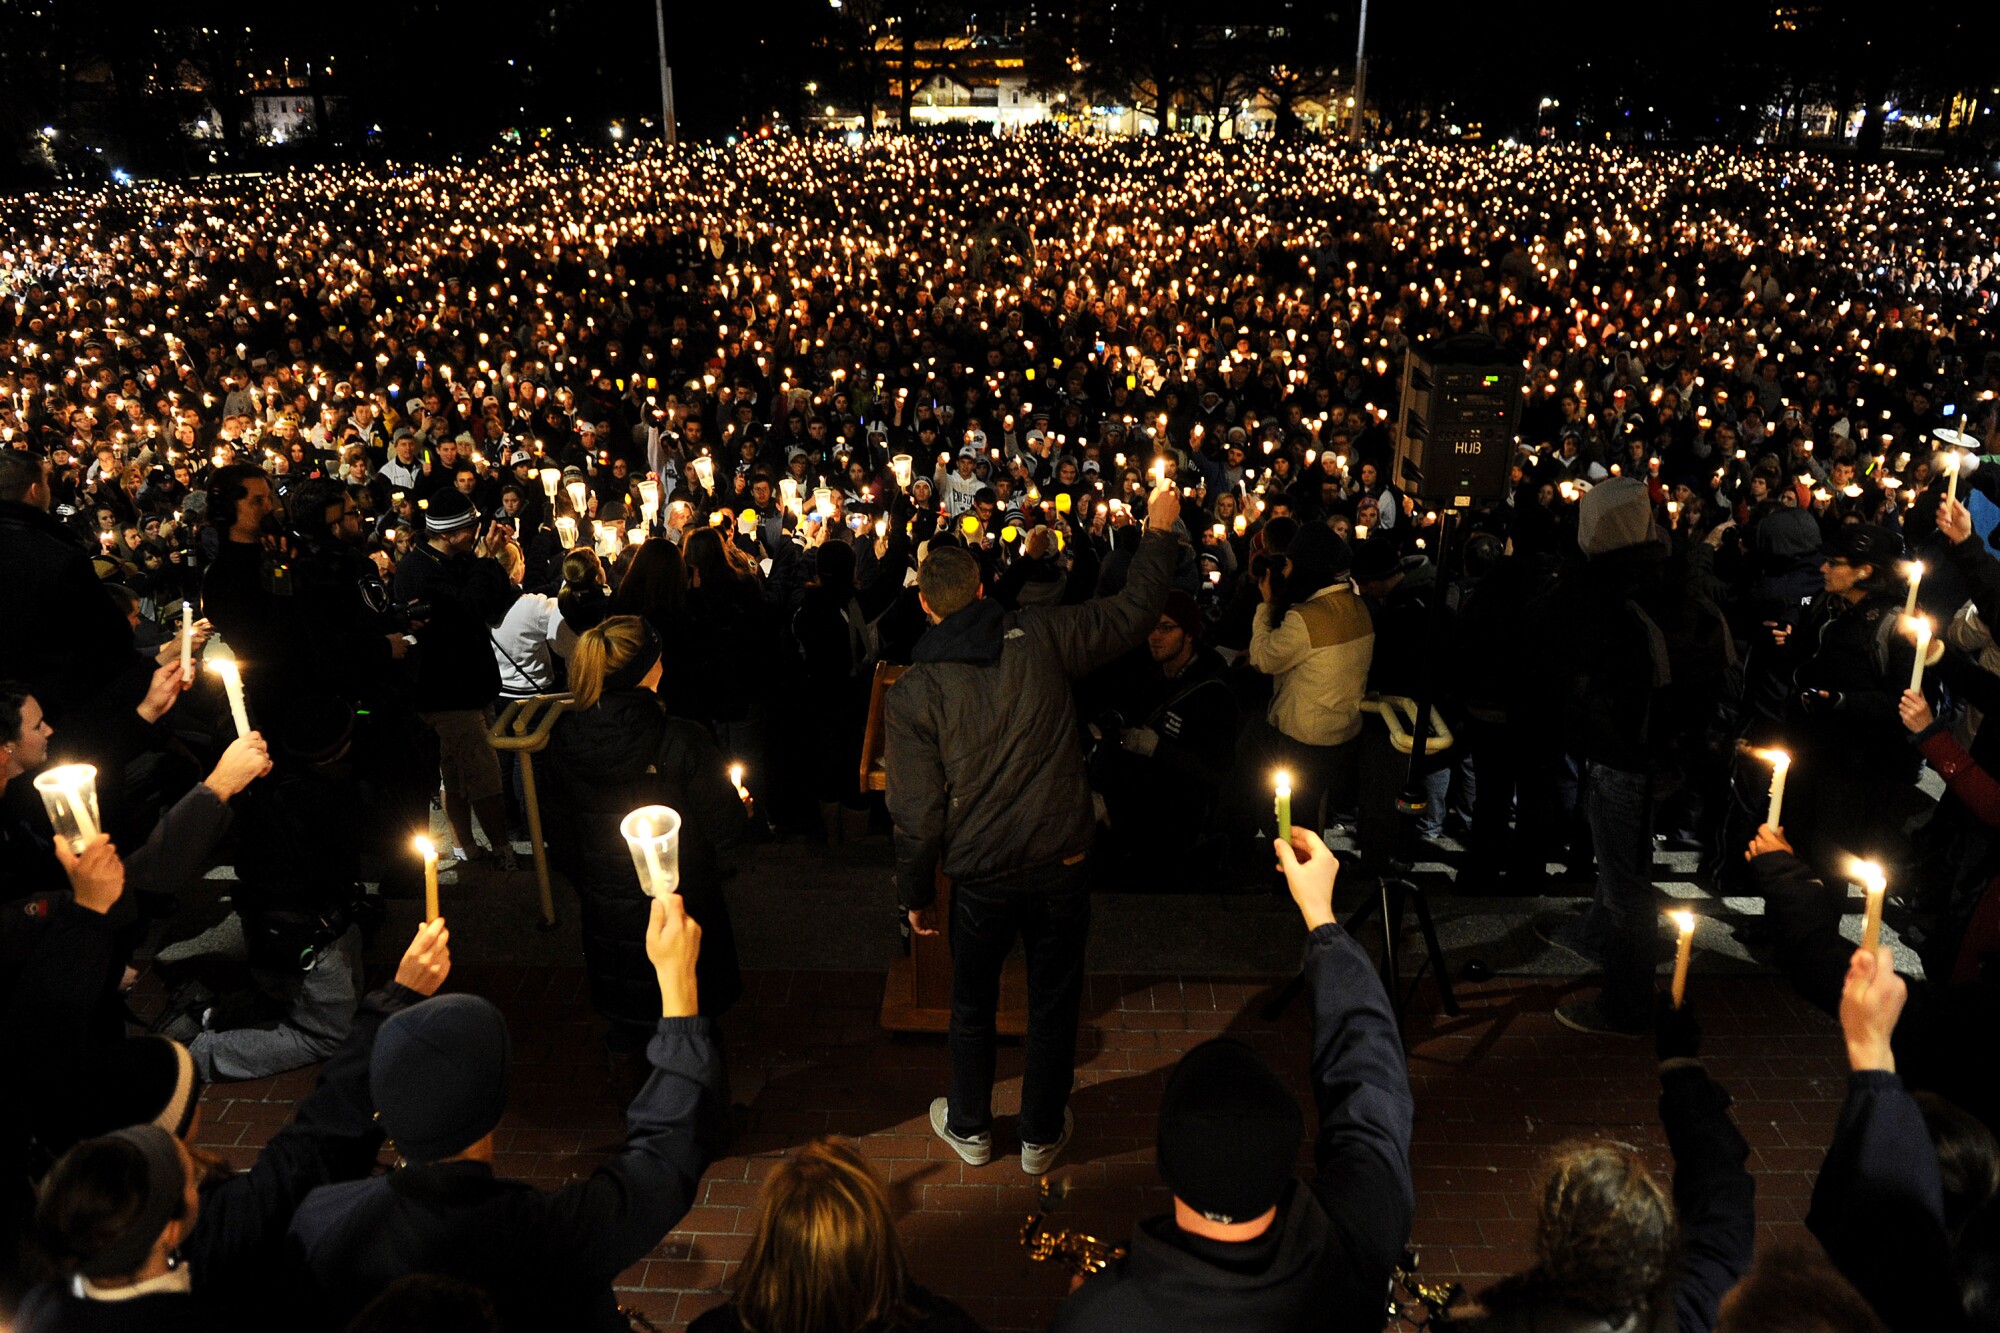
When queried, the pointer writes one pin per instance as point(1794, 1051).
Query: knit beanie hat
point(143, 1081)
point(1614, 515)
point(439, 1075)
point(449, 510)
point(1182, 609)
point(1229, 1132)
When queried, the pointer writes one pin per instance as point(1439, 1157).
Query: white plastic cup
point(653, 834)
point(69, 794)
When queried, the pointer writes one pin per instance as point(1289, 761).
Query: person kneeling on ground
point(439, 1079)
point(1247, 1246)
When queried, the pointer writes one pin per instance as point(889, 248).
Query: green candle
point(1284, 806)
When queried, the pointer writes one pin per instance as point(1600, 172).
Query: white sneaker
point(1037, 1158)
point(977, 1150)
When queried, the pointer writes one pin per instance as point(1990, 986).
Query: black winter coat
point(986, 772)
point(608, 761)
point(64, 639)
point(456, 668)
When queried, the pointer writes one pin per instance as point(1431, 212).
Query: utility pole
point(1360, 76)
point(667, 131)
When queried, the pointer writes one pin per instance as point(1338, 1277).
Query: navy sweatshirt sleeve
point(1878, 1207)
point(1361, 1083)
point(1715, 1197)
point(598, 1227)
point(333, 1137)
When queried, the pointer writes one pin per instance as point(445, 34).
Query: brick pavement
point(1496, 1089)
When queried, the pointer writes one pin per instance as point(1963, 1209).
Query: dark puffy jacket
point(1855, 654)
point(985, 769)
point(608, 761)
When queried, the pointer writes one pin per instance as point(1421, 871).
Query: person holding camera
point(452, 590)
point(1314, 638)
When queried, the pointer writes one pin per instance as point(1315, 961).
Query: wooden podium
point(917, 994)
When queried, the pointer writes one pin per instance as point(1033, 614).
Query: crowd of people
point(1100, 441)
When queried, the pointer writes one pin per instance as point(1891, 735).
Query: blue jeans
point(1050, 910)
point(1623, 920)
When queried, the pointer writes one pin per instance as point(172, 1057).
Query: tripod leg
point(1392, 971)
point(1436, 952)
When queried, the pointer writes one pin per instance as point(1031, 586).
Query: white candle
point(232, 685)
point(428, 850)
point(1914, 571)
point(187, 643)
point(1875, 885)
point(1923, 624)
point(659, 876)
point(1781, 764)
point(1951, 466)
point(1684, 951)
point(736, 781)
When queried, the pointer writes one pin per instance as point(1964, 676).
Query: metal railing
point(523, 728)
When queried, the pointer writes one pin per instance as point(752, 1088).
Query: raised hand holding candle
point(232, 685)
point(69, 794)
point(1915, 571)
point(1876, 885)
point(1923, 628)
point(1684, 921)
point(1284, 782)
point(428, 850)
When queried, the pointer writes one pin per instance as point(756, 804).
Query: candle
point(579, 497)
point(736, 781)
point(187, 644)
point(1914, 571)
point(1951, 467)
point(232, 685)
point(1781, 764)
point(1875, 884)
point(428, 850)
point(1923, 627)
point(1284, 784)
point(1685, 922)
point(551, 478)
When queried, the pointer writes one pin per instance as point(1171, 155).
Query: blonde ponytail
point(600, 651)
